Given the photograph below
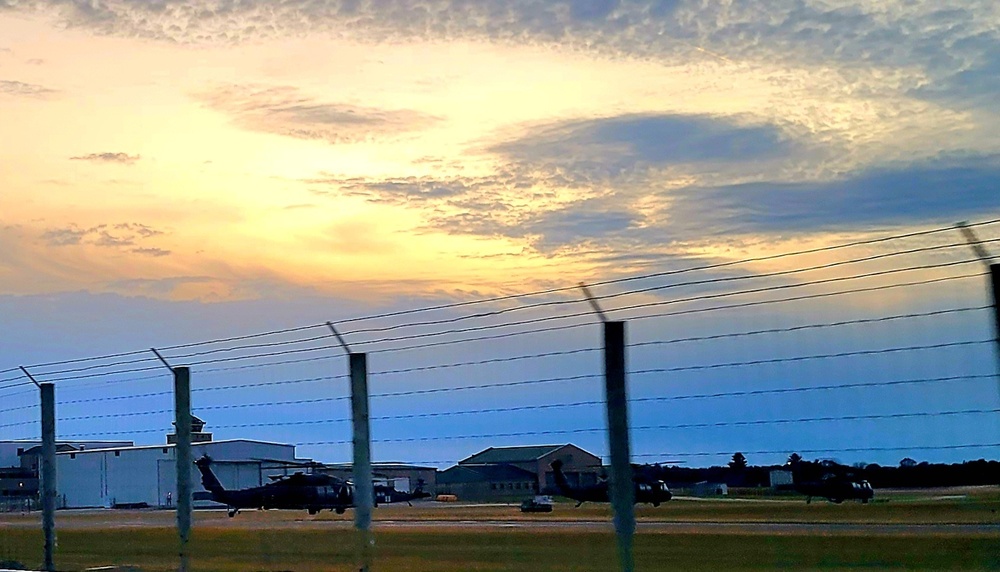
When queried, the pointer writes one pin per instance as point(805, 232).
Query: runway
point(767, 528)
point(430, 520)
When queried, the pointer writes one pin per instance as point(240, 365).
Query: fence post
point(622, 491)
point(995, 283)
point(48, 472)
point(182, 419)
point(362, 466)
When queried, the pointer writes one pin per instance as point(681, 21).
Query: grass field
point(457, 550)
point(461, 539)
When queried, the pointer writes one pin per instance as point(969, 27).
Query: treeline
point(908, 474)
point(981, 472)
point(750, 476)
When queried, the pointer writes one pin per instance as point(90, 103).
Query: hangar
point(401, 476)
point(146, 475)
point(505, 473)
point(19, 461)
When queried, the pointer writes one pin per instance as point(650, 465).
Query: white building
point(147, 475)
point(781, 478)
point(707, 489)
point(10, 451)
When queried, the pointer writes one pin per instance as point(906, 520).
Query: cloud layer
point(284, 110)
point(21, 89)
point(941, 190)
point(127, 236)
point(954, 42)
point(628, 142)
point(120, 158)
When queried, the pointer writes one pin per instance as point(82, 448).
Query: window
point(20, 451)
point(118, 453)
point(165, 450)
point(72, 455)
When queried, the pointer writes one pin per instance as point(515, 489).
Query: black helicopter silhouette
point(300, 491)
point(647, 490)
point(829, 480)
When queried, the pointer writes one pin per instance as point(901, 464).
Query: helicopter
point(829, 480)
point(646, 490)
point(311, 492)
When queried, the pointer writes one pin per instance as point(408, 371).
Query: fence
point(873, 350)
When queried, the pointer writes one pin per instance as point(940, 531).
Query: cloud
point(943, 39)
point(139, 229)
point(21, 89)
point(156, 252)
point(118, 236)
point(941, 190)
point(582, 183)
point(402, 190)
point(975, 81)
point(512, 203)
point(120, 158)
point(65, 236)
point(641, 217)
point(613, 144)
point(283, 110)
point(583, 225)
point(105, 238)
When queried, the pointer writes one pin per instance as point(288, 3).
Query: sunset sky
point(177, 170)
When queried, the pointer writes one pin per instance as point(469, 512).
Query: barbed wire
point(498, 312)
point(786, 329)
point(128, 432)
point(744, 451)
point(869, 449)
point(854, 353)
point(407, 393)
point(20, 408)
point(538, 320)
point(690, 311)
point(529, 294)
point(85, 386)
point(703, 282)
point(574, 431)
point(699, 425)
point(660, 303)
point(516, 408)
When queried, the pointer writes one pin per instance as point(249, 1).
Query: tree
point(739, 462)
point(794, 458)
point(907, 463)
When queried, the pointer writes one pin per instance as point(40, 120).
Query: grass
point(292, 540)
point(154, 549)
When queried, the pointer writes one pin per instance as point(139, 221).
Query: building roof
point(387, 466)
point(61, 442)
point(497, 455)
point(171, 446)
point(484, 473)
point(60, 448)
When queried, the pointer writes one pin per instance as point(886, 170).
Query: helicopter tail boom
point(208, 478)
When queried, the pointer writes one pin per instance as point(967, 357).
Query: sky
point(175, 171)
